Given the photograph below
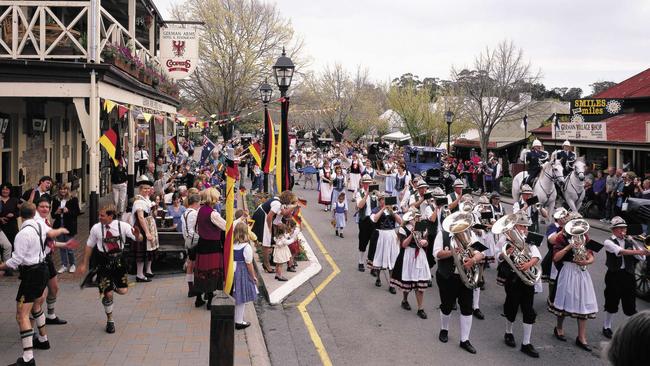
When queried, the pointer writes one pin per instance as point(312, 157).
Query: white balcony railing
point(32, 29)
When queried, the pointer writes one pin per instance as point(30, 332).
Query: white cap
point(537, 143)
point(618, 221)
point(566, 143)
point(459, 183)
point(526, 189)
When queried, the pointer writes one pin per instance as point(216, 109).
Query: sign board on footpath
point(179, 50)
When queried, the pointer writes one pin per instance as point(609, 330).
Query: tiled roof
point(622, 128)
point(634, 87)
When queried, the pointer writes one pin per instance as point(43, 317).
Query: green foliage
point(506, 184)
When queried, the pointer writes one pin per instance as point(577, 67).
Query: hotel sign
point(179, 50)
point(595, 109)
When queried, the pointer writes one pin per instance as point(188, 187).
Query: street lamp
point(449, 118)
point(265, 96)
point(283, 71)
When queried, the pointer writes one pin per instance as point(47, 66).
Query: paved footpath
point(157, 324)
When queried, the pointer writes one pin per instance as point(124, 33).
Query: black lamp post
point(449, 118)
point(265, 96)
point(283, 72)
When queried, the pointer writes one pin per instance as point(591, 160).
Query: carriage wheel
point(642, 278)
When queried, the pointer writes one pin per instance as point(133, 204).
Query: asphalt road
point(360, 324)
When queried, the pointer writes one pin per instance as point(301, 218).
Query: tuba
point(459, 225)
point(520, 251)
point(577, 228)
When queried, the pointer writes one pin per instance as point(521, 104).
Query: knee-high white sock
point(51, 303)
point(149, 266)
point(465, 327)
point(361, 256)
point(509, 326)
point(444, 321)
point(39, 319)
point(528, 330)
point(189, 277)
point(108, 306)
point(26, 338)
point(608, 320)
point(476, 298)
point(140, 269)
point(239, 313)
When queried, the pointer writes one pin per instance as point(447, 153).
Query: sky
point(572, 43)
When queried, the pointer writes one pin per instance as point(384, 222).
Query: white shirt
point(141, 203)
point(141, 155)
point(276, 206)
point(95, 238)
point(248, 253)
point(614, 245)
point(498, 171)
point(366, 207)
point(27, 245)
point(45, 228)
point(438, 243)
point(189, 222)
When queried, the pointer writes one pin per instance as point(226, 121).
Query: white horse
point(574, 186)
point(544, 188)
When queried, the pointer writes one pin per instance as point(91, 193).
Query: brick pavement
point(156, 324)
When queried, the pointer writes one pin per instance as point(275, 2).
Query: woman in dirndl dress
point(411, 270)
point(369, 169)
point(244, 287)
point(325, 187)
point(338, 183)
point(209, 264)
point(574, 294)
point(355, 174)
point(387, 246)
point(389, 174)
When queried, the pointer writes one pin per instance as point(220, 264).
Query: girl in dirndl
point(338, 183)
point(281, 251)
point(574, 293)
point(387, 247)
point(355, 174)
point(411, 270)
point(244, 288)
point(325, 186)
point(209, 264)
point(340, 214)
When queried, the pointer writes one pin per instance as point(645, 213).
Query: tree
point(421, 118)
point(491, 89)
point(240, 41)
point(343, 98)
point(600, 86)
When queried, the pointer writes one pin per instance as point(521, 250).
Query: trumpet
point(577, 228)
point(520, 251)
point(459, 224)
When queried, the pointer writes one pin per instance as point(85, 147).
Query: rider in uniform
point(567, 157)
point(534, 160)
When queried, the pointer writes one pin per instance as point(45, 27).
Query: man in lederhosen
point(519, 294)
point(367, 204)
point(109, 236)
point(452, 288)
point(620, 285)
point(453, 198)
point(29, 258)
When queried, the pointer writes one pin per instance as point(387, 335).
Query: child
point(281, 251)
point(340, 214)
point(245, 283)
point(294, 246)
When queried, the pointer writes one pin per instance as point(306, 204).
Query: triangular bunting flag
point(121, 111)
point(109, 105)
point(147, 116)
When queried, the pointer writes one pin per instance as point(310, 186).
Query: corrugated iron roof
point(634, 87)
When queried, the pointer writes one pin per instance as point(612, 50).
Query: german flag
point(110, 142)
point(232, 175)
point(282, 174)
point(255, 151)
point(173, 145)
point(269, 144)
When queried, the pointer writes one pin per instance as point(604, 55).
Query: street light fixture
point(265, 92)
point(283, 71)
point(449, 118)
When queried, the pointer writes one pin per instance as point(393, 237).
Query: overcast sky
point(573, 43)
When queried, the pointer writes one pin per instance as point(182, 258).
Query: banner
point(595, 109)
point(588, 131)
point(179, 50)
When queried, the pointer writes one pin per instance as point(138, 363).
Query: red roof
point(460, 142)
point(622, 128)
point(634, 87)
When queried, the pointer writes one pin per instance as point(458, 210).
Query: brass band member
point(519, 293)
point(620, 285)
point(109, 236)
point(450, 285)
point(367, 204)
